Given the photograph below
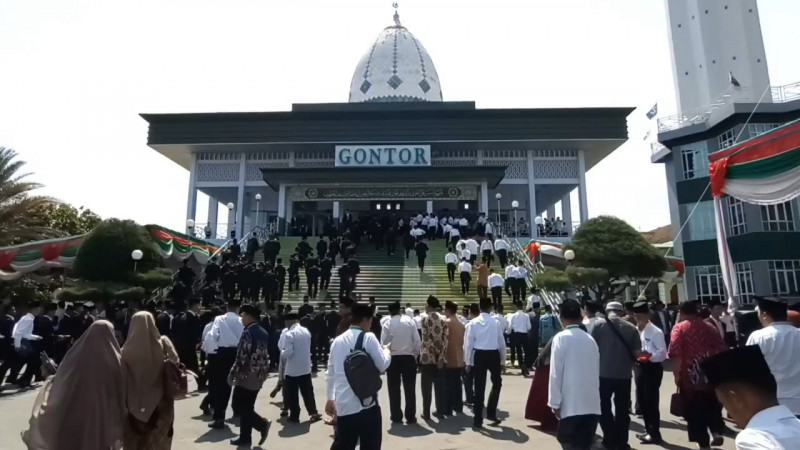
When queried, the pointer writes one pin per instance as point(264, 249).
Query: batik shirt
point(434, 340)
point(252, 359)
point(692, 341)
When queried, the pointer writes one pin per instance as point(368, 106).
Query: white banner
point(383, 156)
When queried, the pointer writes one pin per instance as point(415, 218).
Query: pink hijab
point(82, 406)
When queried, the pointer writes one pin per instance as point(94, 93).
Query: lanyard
point(569, 327)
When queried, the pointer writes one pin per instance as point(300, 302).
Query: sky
point(75, 74)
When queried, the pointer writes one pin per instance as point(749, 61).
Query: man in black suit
point(660, 318)
point(325, 267)
point(186, 334)
point(280, 274)
point(7, 353)
point(322, 247)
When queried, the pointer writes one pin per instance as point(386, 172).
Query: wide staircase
point(388, 278)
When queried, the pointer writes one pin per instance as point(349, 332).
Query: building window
point(701, 224)
point(757, 129)
point(694, 158)
point(736, 216)
point(777, 217)
point(726, 139)
point(708, 282)
point(784, 277)
point(744, 277)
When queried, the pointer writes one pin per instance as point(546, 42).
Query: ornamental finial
point(396, 15)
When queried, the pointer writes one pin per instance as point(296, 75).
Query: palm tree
point(20, 217)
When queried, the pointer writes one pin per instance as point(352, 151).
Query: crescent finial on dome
point(396, 15)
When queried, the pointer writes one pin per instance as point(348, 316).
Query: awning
point(492, 175)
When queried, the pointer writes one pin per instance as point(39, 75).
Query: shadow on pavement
point(216, 435)
point(414, 430)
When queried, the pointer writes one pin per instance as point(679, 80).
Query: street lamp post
point(515, 205)
point(190, 227)
point(136, 255)
point(258, 207)
point(232, 210)
point(498, 196)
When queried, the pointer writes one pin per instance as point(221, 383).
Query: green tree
point(106, 253)
point(68, 220)
point(18, 223)
point(553, 280)
point(608, 250)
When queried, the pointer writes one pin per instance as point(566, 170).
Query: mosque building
point(395, 147)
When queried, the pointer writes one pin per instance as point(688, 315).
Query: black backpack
point(362, 375)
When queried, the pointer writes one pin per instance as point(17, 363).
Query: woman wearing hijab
point(150, 413)
point(82, 406)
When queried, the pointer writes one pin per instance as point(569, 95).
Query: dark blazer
point(664, 325)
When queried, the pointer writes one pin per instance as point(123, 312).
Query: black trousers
point(432, 377)
point(453, 402)
point(519, 342)
point(577, 432)
point(472, 259)
point(408, 252)
point(516, 288)
point(431, 233)
point(487, 257)
point(222, 390)
point(10, 366)
point(497, 295)
point(533, 350)
point(469, 386)
point(302, 385)
point(281, 284)
point(248, 417)
point(648, 380)
point(208, 400)
point(32, 364)
point(391, 246)
point(702, 413)
point(421, 262)
point(313, 288)
point(294, 281)
point(502, 256)
point(325, 281)
point(188, 356)
point(454, 240)
point(486, 361)
point(615, 426)
point(465, 278)
point(363, 428)
point(451, 272)
point(403, 368)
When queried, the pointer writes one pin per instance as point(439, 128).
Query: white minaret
point(712, 41)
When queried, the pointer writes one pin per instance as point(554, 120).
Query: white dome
point(395, 69)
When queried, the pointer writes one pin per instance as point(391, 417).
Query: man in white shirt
point(534, 301)
point(650, 373)
point(474, 248)
point(209, 347)
point(747, 389)
point(510, 278)
point(357, 423)
point(496, 283)
point(518, 287)
point(520, 324)
point(451, 260)
point(574, 385)
point(400, 335)
point(486, 252)
point(25, 344)
point(296, 351)
point(464, 269)
point(463, 223)
point(409, 311)
point(446, 229)
point(432, 225)
point(455, 237)
point(778, 340)
point(417, 232)
point(464, 252)
point(225, 333)
point(501, 247)
point(485, 350)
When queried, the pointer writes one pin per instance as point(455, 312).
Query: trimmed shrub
point(106, 253)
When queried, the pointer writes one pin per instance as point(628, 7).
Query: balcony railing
point(779, 94)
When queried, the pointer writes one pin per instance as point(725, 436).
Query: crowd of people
point(230, 329)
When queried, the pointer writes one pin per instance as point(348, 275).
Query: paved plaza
point(191, 431)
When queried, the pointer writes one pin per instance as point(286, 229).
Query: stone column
point(282, 210)
point(551, 212)
point(191, 203)
point(566, 213)
point(429, 206)
point(584, 206)
point(531, 193)
point(240, 196)
point(485, 199)
point(213, 213)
